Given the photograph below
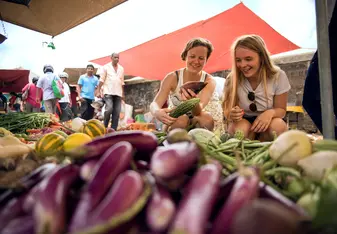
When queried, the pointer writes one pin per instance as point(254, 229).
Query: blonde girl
point(256, 91)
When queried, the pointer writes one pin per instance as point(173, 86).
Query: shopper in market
point(111, 85)
point(195, 54)
point(255, 92)
point(45, 84)
point(73, 100)
point(15, 102)
point(30, 102)
point(64, 110)
point(3, 103)
point(87, 84)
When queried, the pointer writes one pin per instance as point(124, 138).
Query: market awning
point(75, 73)
point(155, 58)
point(53, 17)
point(13, 80)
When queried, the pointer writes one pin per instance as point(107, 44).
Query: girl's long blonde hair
point(267, 70)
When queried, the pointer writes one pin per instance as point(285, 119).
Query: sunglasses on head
point(251, 97)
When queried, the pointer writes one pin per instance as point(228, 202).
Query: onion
point(290, 147)
point(315, 166)
point(178, 135)
point(77, 124)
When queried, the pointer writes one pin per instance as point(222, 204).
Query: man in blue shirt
point(87, 83)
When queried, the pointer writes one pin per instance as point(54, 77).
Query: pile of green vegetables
point(291, 164)
point(19, 122)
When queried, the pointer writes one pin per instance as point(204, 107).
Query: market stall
point(80, 177)
point(13, 80)
point(35, 14)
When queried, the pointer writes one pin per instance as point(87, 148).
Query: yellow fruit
point(75, 140)
point(94, 128)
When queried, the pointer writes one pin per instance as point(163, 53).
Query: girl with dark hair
point(196, 53)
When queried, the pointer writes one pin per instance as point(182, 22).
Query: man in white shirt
point(65, 112)
point(112, 82)
point(45, 84)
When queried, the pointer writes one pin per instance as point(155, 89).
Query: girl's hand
point(187, 94)
point(236, 114)
point(162, 115)
point(262, 122)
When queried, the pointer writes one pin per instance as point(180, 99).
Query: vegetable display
point(183, 182)
point(19, 122)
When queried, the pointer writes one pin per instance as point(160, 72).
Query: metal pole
point(323, 46)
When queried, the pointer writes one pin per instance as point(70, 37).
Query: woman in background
point(30, 104)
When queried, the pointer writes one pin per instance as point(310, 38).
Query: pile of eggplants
point(125, 183)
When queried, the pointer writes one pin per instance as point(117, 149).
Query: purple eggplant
point(13, 209)
point(119, 206)
point(244, 191)
point(141, 165)
point(195, 86)
point(265, 216)
point(123, 193)
point(27, 182)
point(143, 142)
point(174, 160)
point(30, 199)
point(87, 169)
point(20, 225)
point(114, 161)
point(160, 210)
point(173, 184)
point(37, 175)
point(50, 208)
point(267, 191)
point(196, 205)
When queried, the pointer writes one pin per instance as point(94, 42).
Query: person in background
point(312, 93)
point(255, 92)
point(15, 102)
point(65, 103)
point(3, 103)
point(112, 82)
point(45, 84)
point(30, 103)
point(87, 84)
point(73, 100)
point(196, 53)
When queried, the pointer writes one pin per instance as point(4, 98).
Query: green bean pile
point(19, 122)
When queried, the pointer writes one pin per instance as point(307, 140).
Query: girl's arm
point(164, 90)
point(156, 109)
point(278, 111)
point(24, 89)
point(280, 105)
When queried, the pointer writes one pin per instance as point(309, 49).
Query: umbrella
point(53, 17)
point(163, 53)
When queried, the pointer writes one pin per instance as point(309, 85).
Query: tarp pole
point(323, 46)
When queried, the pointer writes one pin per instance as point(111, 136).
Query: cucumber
point(184, 107)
